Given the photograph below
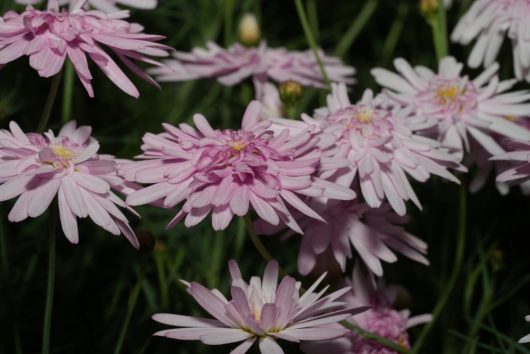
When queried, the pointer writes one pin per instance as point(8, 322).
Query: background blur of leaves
point(105, 289)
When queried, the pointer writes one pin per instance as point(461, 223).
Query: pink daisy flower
point(381, 319)
point(375, 234)
point(263, 311)
point(464, 109)
point(108, 6)
point(228, 172)
point(489, 22)
point(379, 142)
point(237, 63)
point(35, 168)
point(49, 37)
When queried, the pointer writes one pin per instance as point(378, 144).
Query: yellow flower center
point(448, 94)
point(63, 153)
point(238, 145)
point(365, 116)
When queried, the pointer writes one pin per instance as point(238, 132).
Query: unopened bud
point(291, 92)
point(249, 31)
point(429, 7)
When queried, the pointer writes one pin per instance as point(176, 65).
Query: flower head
point(261, 310)
point(37, 167)
point(526, 339)
point(226, 172)
point(378, 141)
point(381, 319)
point(489, 22)
point(374, 233)
point(464, 109)
point(518, 160)
point(237, 63)
point(49, 37)
point(108, 6)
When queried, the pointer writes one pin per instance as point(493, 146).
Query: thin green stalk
point(311, 39)
point(133, 298)
point(375, 338)
point(457, 265)
point(312, 15)
point(50, 100)
point(68, 91)
point(356, 27)
point(50, 287)
point(160, 257)
point(438, 23)
point(229, 22)
point(255, 240)
point(392, 38)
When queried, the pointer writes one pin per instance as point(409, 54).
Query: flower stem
point(457, 265)
point(52, 95)
point(255, 239)
point(68, 91)
point(438, 23)
point(50, 287)
point(356, 27)
point(133, 298)
point(310, 38)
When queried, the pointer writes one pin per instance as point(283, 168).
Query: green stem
point(457, 265)
point(229, 22)
point(160, 257)
point(50, 288)
point(50, 100)
point(356, 27)
point(438, 23)
point(133, 298)
point(375, 338)
point(68, 92)
point(255, 239)
point(311, 39)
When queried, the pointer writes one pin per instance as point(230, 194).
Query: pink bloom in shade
point(237, 63)
point(519, 159)
point(375, 234)
point(261, 310)
point(464, 109)
point(379, 142)
point(381, 319)
point(526, 339)
point(489, 22)
point(49, 37)
point(228, 172)
point(108, 6)
point(36, 167)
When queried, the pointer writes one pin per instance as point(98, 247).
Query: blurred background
point(106, 291)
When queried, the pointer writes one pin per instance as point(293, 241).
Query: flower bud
point(428, 7)
point(249, 31)
point(291, 92)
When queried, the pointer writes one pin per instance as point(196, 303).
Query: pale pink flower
point(272, 106)
point(519, 162)
point(489, 22)
point(263, 311)
point(49, 37)
point(102, 5)
point(228, 172)
point(379, 142)
point(381, 319)
point(375, 234)
point(36, 167)
point(237, 63)
point(464, 109)
point(526, 339)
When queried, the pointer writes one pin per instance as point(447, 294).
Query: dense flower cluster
point(49, 37)
point(226, 172)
